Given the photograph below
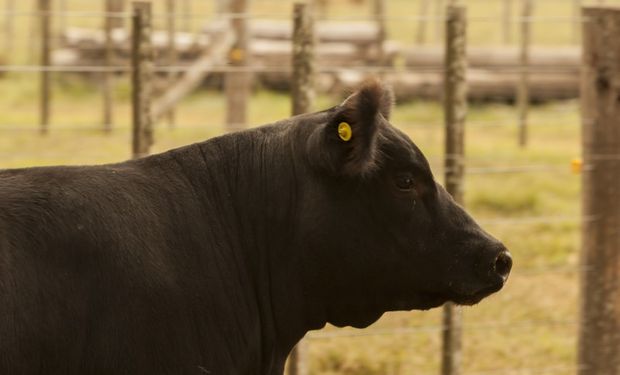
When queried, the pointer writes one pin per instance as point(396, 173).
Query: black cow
point(216, 258)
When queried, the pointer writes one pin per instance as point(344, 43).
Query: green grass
point(542, 287)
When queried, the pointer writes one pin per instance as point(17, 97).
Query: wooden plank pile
point(341, 44)
point(493, 74)
point(348, 52)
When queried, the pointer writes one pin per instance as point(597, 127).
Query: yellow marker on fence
point(236, 54)
point(576, 165)
point(344, 131)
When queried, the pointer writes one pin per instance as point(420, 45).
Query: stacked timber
point(84, 47)
point(340, 44)
point(347, 52)
point(493, 74)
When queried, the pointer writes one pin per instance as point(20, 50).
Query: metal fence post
point(141, 77)
point(303, 95)
point(599, 335)
point(46, 92)
point(455, 110)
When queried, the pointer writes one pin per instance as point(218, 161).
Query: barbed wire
point(268, 69)
point(253, 15)
point(470, 171)
point(501, 124)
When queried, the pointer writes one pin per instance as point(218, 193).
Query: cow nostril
point(503, 264)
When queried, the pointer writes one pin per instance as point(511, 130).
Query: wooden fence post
point(303, 59)
point(507, 21)
point(45, 84)
point(108, 62)
point(172, 50)
point(237, 83)
point(455, 110)
point(379, 13)
point(111, 22)
point(599, 335)
point(523, 94)
point(303, 95)
point(141, 77)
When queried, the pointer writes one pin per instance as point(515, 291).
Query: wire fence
point(474, 166)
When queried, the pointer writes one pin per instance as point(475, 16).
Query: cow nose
point(503, 264)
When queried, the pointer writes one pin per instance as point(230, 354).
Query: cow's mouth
point(423, 301)
point(478, 295)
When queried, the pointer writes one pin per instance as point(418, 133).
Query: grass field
point(528, 326)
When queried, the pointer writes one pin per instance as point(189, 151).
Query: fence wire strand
point(472, 169)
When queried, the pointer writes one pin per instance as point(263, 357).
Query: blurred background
point(66, 99)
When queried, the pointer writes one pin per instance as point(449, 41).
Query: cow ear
point(347, 144)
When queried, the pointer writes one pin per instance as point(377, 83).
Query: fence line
point(265, 69)
point(413, 18)
point(470, 171)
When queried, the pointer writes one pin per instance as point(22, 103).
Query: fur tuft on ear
point(362, 115)
point(374, 96)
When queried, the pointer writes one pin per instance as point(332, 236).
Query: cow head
point(378, 233)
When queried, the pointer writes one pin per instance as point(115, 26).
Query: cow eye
point(404, 182)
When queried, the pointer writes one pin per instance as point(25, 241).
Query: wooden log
point(599, 325)
point(482, 85)
point(362, 33)
point(92, 42)
point(278, 54)
point(555, 58)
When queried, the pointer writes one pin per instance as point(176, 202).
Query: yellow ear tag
point(344, 131)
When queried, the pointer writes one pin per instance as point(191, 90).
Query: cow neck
point(257, 179)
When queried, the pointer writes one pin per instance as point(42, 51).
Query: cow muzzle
point(492, 275)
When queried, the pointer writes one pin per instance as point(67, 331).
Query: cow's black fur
point(217, 257)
